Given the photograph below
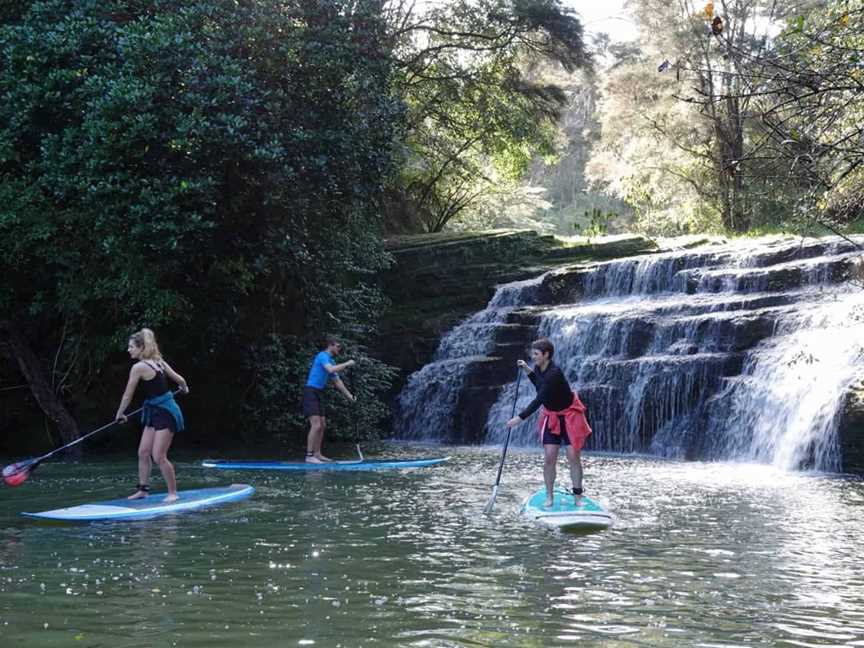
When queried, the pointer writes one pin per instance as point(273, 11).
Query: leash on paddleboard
point(17, 473)
point(491, 503)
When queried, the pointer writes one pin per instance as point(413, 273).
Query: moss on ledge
point(439, 279)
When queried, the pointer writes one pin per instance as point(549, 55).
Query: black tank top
point(157, 385)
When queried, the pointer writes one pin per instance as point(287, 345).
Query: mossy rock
point(851, 430)
point(437, 280)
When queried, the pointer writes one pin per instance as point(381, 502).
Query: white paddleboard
point(148, 507)
point(564, 514)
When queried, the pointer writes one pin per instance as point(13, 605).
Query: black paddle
point(491, 503)
point(17, 473)
point(354, 415)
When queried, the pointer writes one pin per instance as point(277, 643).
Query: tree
point(653, 152)
point(807, 91)
point(730, 80)
point(701, 56)
point(210, 169)
point(471, 108)
point(571, 201)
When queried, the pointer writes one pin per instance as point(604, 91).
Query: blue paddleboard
point(381, 464)
point(148, 507)
point(564, 514)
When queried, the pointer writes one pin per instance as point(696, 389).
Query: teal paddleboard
point(148, 507)
point(332, 466)
point(565, 514)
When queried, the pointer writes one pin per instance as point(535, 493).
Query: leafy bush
point(208, 168)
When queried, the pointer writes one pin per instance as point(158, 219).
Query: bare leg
point(575, 459)
point(550, 459)
point(145, 449)
point(160, 455)
point(316, 431)
point(320, 441)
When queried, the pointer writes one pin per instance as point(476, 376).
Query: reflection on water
point(701, 555)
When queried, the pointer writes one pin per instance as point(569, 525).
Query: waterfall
point(427, 404)
point(783, 408)
point(740, 352)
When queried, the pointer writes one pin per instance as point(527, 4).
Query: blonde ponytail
point(145, 340)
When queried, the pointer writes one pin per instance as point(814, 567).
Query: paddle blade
point(17, 473)
point(491, 503)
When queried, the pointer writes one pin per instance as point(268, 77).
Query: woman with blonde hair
point(160, 415)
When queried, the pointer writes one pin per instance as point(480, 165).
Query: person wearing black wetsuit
point(160, 413)
point(562, 421)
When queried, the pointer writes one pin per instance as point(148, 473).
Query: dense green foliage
point(812, 122)
point(736, 116)
point(219, 171)
point(211, 169)
point(476, 116)
point(223, 171)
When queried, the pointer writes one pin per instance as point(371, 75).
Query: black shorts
point(161, 419)
point(555, 439)
point(313, 402)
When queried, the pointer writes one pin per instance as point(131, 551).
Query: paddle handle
point(509, 429)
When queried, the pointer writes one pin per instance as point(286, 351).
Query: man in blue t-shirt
point(322, 371)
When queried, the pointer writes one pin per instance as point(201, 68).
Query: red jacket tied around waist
point(574, 420)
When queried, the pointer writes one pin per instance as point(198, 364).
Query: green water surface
point(700, 555)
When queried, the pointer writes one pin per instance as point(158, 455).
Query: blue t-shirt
point(318, 375)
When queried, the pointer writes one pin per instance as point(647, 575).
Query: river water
point(702, 554)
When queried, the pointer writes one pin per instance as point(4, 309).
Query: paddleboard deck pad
point(564, 514)
point(380, 464)
point(148, 507)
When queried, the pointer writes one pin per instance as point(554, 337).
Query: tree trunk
point(720, 160)
point(19, 350)
point(729, 134)
point(736, 175)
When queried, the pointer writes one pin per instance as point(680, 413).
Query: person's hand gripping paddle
point(17, 473)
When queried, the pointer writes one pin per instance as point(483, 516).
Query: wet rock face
point(851, 430)
point(695, 354)
point(437, 280)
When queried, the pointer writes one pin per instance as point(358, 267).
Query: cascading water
point(725, 353)
point(783, 409)
point(427, 404)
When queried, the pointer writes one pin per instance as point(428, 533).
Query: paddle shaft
point(509, 429)
point(354, 416)
point(80, 439)
point(39, 460)
point(23, 469)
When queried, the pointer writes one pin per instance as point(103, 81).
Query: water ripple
point(701, 555)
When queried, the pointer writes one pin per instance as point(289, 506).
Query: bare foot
point(322, 458)
point(138, 495)
point(313, 460)
point(170, 497)
point(548, 503)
